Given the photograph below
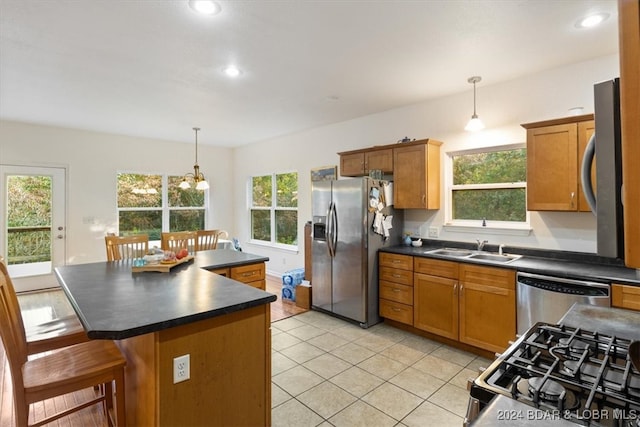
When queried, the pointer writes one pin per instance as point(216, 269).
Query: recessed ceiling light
point(231, 71)
point(592, 20)
point(205, 7)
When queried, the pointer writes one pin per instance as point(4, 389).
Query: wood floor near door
point(38, 307)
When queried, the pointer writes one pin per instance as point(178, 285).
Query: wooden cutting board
point(160, 267)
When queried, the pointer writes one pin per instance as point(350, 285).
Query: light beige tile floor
point(328, 372)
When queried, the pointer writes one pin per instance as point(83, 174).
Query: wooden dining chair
point(56, 333)
point(208, 239)
point(126, 247)
point(96, 363)
point(176, 240)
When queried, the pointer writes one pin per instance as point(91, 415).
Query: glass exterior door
point(33, 233)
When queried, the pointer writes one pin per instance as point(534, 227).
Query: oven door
point(547, 299)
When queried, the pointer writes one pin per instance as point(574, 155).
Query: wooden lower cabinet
point(250, 274)
point(625, 296)
point(487, 307)
point(395, 287)
point(435, 306)
point(468, 303)
point(230, 378)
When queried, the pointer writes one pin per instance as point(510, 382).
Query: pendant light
point(197, 176)
point(475, 124)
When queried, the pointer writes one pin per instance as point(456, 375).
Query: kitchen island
point(223, 325)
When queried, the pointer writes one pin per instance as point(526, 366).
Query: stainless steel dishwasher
point(547, 298)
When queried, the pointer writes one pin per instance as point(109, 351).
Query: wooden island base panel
point(223, 325)
point(230, 372)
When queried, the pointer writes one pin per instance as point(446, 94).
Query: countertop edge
point(157, 327)
point(569, 269)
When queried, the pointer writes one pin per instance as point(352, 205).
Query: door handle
point(334, 232)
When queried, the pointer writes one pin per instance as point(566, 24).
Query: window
point(151, 204)
point(274, 209)
point(488, 185)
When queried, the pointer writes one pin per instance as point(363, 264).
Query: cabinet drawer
point(625, 296)
point(396, 292)
point(436, 267)
point(395, 311)
point(488, 276)
point(248, 273)
point(404, 262)
point(221, 271)
point(404, 277)
point(260, 284)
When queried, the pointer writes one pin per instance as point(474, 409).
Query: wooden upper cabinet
point(629, 39)
point(360, 162)
point(416, 175)
point(554, 156)
point(352, 164)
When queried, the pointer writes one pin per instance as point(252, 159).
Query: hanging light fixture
point(197, 176)
point(475, 124)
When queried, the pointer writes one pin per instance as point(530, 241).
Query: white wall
point(93, 159)
point(502, 107)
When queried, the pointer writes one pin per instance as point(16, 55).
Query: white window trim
point(475, 226)
point(272, 209)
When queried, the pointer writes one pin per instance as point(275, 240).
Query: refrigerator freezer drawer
point(404, 277)
point(395, 311)
point(395, 292)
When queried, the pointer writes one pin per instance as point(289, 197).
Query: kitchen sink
point(450, 252)
point(494, 257)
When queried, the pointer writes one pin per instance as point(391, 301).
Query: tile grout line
point(378, 352)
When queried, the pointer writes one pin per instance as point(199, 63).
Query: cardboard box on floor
point(303, 295)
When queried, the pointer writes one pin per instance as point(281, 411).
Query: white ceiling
point(152, 68)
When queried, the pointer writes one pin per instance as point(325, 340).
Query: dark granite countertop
point(112, 302)
point(616, 322)
point(554, 263)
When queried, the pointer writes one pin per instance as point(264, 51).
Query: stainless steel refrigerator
point(345, 246)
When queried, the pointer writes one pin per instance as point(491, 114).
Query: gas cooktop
point(568, 373)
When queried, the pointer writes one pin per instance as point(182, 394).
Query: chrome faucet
point(500, 249)
point(481, 244)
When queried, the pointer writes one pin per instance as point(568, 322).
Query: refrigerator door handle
point(334, 230)
point(330, 227)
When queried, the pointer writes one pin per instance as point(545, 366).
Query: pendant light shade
point(475, 124)
point(197, 176)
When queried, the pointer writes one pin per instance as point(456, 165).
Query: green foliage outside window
point(29, 208)
point(497, 205)
point(490, 167)
point(140, 209)
point(490, 186)
point(261, 191)
point(275, 220)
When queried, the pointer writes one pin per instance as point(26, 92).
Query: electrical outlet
point(181, 368)
point(433, 232)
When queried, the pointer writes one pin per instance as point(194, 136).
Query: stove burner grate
point(554, 367)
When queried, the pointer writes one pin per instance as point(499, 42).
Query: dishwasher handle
point(564, 286)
